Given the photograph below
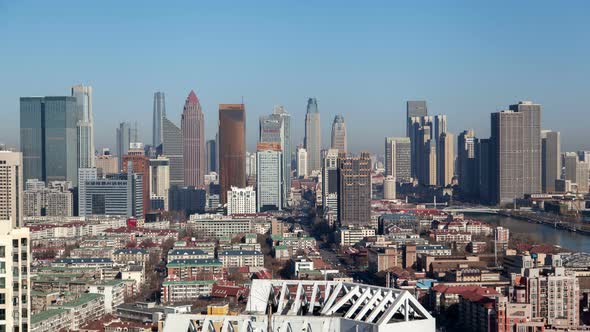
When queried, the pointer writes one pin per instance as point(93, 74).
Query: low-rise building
point(86, 308)
point(382, 259)
point(239, 258)
point(131, 256)
point(113, 292)
point(177, 291)
point(348, 236)
point(188, 269)
point(188, 253)
point(51, 320)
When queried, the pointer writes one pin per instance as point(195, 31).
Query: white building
point(214, 225)
point(239, 258)
point(389, 188)
point(159, 178)
point(301, 163)
point(327, 306)
point(241, 201)
point(349, 236)
point(85, 125)
point(15, 280)
point(11, 187)
point(269, 177)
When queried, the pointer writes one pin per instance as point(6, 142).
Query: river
point(540, 233)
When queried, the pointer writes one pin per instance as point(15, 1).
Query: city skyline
point(452, 81)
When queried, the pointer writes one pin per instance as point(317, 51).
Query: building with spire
point(339, 134)
point(193, 138)
point(313, 136)
point(158, 117)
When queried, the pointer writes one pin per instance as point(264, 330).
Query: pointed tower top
point(192, 98)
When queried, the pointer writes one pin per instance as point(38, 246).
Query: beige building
point(108, 164)
point(15, 280)
point(11, 187)
point(446, 159)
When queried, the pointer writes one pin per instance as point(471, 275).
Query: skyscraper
point(172, 148)
point(313, 136)
point(301, 162)
point(446, 159)
point(118, 194)
point(159, 114)
point(11, 187)
point(516, 143)
point(398, 158)
point(232, 147)
point(86, 149)
point(49, 138)
point(414, 108)
point(467, 163)
point(276, 128)
point(550, 159)
point(354, 190)
point(330, 178)
point(339, 134)
point(193, 134)
point(211, 152)
point(159, 179)
point(135, 161)
point(576, 171)
point(269, 179)
point(126, 135)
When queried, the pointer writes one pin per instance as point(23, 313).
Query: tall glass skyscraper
point(158, 116)
point(172, 147)
point(232, 147)
point(125, 136)
point(86, 148)
point(49, 139)
point(313, 136)
point(339, 134)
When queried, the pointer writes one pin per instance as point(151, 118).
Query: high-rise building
point(15, 283)
point(330, 179)
point(301, 162)
point(11, 187)
point(84, 176)
point(172, 148)
point(126, 135)
point(51, 201)
point(313, 136)
point(86, 149)
point(276, 128)
point(189, 200)
point(339, 140)
point(446, 159)
point(486, 169)
point(117, 195)
point(241, 201)
point(550, 159)
point(107, 164)
point(159, 114)
point(269, 176)
point(232, 147)
point(354, 190)
point(211, 152)
point(424, 134)
point(414, 108)
point(467, 163)
point(516, 142)
point(49, 138)
point(250, 165)
point(584, 155)
point(135, 161)
point(398, 161)
point(193, 133)
point(576, 171)
point(389, 188)
point(159, 179)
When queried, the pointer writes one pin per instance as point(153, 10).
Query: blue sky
point(363, 59)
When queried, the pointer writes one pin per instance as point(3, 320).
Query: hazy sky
point(363, 59)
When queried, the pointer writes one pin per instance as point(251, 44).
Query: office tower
point(516, 139)
point(550, 159)
point(250, 165)
point(84, 176)
point(430, 166)
point(354, 190)
point(313, 136)
point(576, 171)
point(584, 155)
point(11, 187)
point(189, 200)
point(54, 200)
point(269, 176)
point(339, 134)
point(125, 136)
point(486, 168)
point(467, 163)
point(49, 138)
point(276, 128)
point(241, 201)
point(446, 159)
point(301, 162)
point(232, 147)
point(159, 179)
point(107, 164)
point(414, 108)
point(173, 150)
point(330, 179)
point(117, 195)
point(285, 117)
point(159, 114)
point(135, 161)
point(15, 285)
point(389, 188)
point(86, 149)
point(211, 151)
point(193, 134)
point(398, 158)
point(422, 130)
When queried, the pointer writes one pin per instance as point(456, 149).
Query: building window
point(2, 314)
point(2, 283)
point(2, 298)
point(2, 251)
